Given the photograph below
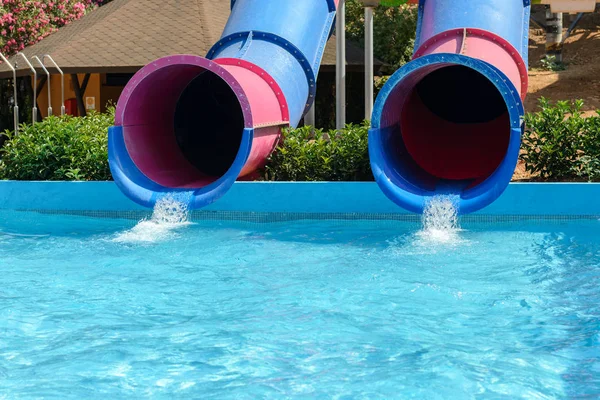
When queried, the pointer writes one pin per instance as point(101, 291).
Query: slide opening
point(183, 125)
point(209, 124)
point(450, 127)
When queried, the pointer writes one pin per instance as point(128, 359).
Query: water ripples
point(302, 309)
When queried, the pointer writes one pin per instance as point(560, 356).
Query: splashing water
point(440, 221)
point(171, 209)
point(170, 214)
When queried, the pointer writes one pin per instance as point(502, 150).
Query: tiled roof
point(125, 35)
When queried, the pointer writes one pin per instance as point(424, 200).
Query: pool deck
point(531, 199)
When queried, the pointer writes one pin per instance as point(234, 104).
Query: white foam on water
point(170, 214)
point(440, 222)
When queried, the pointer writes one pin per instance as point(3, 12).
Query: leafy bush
point(589, 168)
point(551, 64)
point(313, 155)
point(59, 148)
point(560, 144)
point(380, 81)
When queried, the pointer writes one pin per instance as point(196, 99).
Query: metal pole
point(16, 107)
point(62, 83)
point(554, 28)
point(36, 58)
point(572, 27)
point(309, 118)
point(34, 111)
point(369, 75)
point(340, 86)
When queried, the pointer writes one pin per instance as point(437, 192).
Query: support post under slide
point(450, 121)
point(193, 125)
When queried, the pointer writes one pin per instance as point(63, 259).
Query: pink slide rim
point(285, 112)
point(509, 48)
point(180, 59)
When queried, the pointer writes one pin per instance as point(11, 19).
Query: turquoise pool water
point(100, 308)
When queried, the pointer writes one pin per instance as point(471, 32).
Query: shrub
point(380, 81)
point(59, 148)
point(589, 168)
point(550, 63)
point(314, 155)
point(560, 144)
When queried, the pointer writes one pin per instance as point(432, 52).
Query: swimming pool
point(378, 308)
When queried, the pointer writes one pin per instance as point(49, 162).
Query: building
point(101, 51)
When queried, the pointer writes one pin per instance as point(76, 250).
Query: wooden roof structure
point(125, 35)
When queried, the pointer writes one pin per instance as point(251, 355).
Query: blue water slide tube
point(193, 125)
point(450, 121)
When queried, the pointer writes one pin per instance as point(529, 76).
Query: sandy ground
point(581, 54)
point(581, 80)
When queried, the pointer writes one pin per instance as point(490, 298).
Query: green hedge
point(305, 154)
point(59, 148)
point(560, 144)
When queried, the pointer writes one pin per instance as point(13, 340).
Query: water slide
point(450, 121)
point(194, 125)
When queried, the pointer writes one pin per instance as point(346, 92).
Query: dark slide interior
point(461, 95)
point(209, 124)
point(455, 124)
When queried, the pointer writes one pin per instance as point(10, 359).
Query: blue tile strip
point(323, 198)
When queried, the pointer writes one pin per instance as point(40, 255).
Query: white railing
point(16, 107)
point(62, 82)
point(36, 58)
point(34, 110)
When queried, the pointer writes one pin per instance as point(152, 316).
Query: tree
point(25, 22)
point(394, 31)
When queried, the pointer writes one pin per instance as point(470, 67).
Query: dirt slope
point(581, 79)
point(581, 54)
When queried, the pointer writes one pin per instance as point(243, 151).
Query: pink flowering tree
point(25, 22)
